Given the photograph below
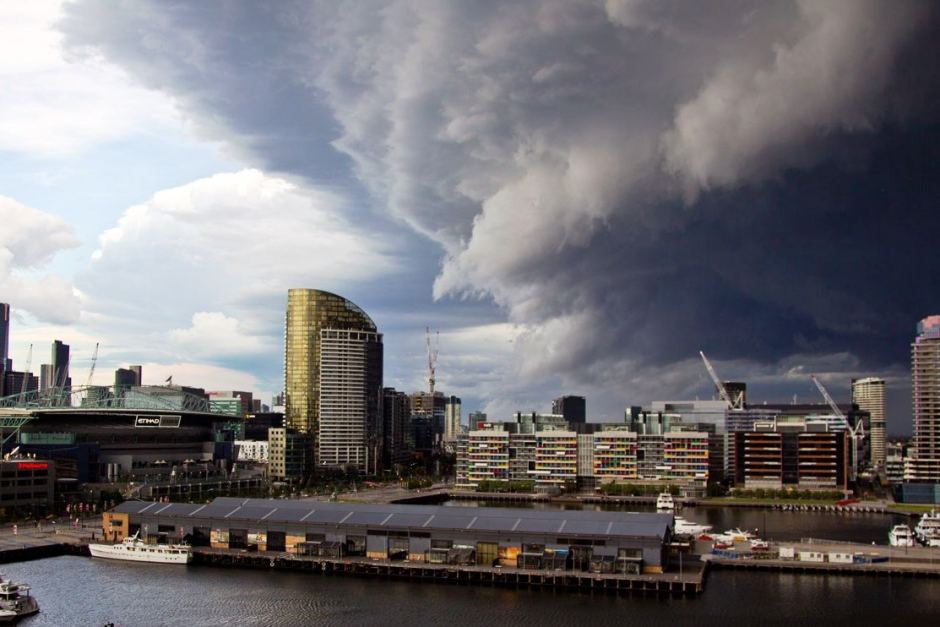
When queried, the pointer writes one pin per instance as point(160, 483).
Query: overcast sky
point(580, 195)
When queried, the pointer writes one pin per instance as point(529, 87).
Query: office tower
point(138, 374)
point(5, 362)
point(451, 418)
point(869, 395)
point(124, 378)
point(572, 408)
point(60, 364)
point(333, 378)
point(396, 422)
point(476, 420)
point(46, 377)
point(925, 377)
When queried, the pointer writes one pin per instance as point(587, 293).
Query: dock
point(690, 582)
point(816, 556)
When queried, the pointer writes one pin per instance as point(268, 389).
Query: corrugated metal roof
point(424, 517)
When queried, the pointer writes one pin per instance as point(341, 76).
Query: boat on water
point(685, 527)
point(927, 530)
point(901, 535)
point(15, 602)
point(134, 549)
point(734, 535)
point(665, 502)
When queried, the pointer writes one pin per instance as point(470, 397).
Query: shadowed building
point(333, 378)
point(573, 408)
point(5, 338)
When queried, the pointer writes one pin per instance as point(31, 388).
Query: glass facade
point(309, 313)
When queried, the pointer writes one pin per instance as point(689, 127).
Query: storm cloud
point(630, 180)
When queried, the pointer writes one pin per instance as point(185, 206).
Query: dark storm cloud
point(630, 180)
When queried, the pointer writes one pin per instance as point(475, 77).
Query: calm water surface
point(82, 591)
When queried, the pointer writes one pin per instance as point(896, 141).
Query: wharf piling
point(690, 583)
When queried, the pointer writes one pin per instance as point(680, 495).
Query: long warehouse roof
point(415, 517)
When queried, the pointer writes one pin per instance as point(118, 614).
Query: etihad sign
point(171, 422)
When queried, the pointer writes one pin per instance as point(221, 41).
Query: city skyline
point(589, 240)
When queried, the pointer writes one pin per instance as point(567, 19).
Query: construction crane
point(733, 403)
point(856, 433)
point(94, 361)
point(26, 373)
point(432, 363)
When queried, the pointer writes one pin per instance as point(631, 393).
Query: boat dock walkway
point(691, 581)
point(827, 556)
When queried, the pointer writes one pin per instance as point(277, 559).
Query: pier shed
point(587, 541)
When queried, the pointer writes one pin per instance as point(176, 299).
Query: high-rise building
point(46, 377)
point(333, 377)
point(869, 395)
point(350, 421)
point(138, 371)
point(925, 377)
point(5, 338)
point(124, 378)
point(451, 418)
point(396, 414)
point(573, 408)
point(60, 365)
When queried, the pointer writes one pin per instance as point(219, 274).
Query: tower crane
point(432, 363)
point(856, 433)
point(94, 361)
point(26, 372)
point(733, 403)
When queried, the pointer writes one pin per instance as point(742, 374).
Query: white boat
point(928, 529)
point(759, 545)
point(685, 527)
point(734, 535)
point(15, 602)
point(135, 550)
point(900, 535)
point(664, 502)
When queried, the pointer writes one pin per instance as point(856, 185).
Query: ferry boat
point(664, 502)
point(15, 602)
point(133, 549)
point(900, 535)
point(928, 529)
point(685, 527)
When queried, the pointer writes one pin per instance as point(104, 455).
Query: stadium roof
point(414, 517)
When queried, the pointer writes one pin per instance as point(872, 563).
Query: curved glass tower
point(333, 378)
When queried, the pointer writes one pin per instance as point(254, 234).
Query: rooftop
point(425, 517)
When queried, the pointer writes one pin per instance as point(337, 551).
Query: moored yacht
point(928, 529)
point(665, 503)
point(15, 601)
point(135, 550)
point(685, 527)
point(900, 535)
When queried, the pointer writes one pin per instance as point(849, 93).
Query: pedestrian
point(14, 529)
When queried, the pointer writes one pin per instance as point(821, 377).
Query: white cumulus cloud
point(29, 239)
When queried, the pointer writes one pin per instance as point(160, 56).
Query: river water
point(82, 591)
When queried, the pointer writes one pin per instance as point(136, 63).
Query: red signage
point(33, 466)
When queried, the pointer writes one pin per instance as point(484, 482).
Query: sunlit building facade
point(925, 377)
point(869, 395)
point(354, 359)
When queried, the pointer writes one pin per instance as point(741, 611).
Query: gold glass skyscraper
point(310, 313)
